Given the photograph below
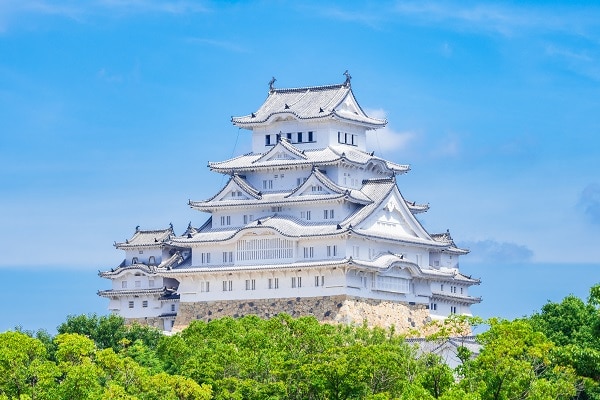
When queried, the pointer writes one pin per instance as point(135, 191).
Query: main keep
point(311, 222)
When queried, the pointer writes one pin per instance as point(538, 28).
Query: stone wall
point(332, 309)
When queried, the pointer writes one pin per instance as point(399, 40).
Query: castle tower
point(311, 222)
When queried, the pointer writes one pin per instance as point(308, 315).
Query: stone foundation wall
point(331, 309)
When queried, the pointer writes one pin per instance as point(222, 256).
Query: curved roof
point(146, 238)
point(306, 103)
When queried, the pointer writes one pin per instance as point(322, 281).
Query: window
point(461, 290)
point(150, 282)
point(452, 289)
point(452, 309)
point(276, 209)
point(309, 252)
point(433, 307)
point(296, 281)
point(227, 286)
point(264, 249)
point(320, 280)
point(332, 251)
point(289, 136)
point(134, 260)
point(145, 303)
point(172, 307)
point(205, 258)
point(131, 304)
point(267, 140)
point(442, 287)
point(248, 218)
point(300, 181)
point(124, 285)
point(138, 284)
point(278, 137)
point(299, 137)
point(268, 184)
point(273, 283)
point(392, 284)
point(250, 284)
point(151, 260)
point(305, 215)
point(205, 286)
point(228, 256)
point(311, 137)
point(317, 188)
point(225, 220)
point(355, 251)
point(328, 214)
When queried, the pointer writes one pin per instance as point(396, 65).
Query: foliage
point(554, 354)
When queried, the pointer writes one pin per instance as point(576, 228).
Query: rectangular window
point(461, 290)
point(433, 306)
point(276, 209)
point(131, 304)
point(267, 140)
point(309, 252)
point(289, 136)
point(124, 285)
point(305, 215)
point(452, 309)
point(353, 140)
point(320, 280)
point(355, 251)
point(299, 137)
point(296, 281)
point(268, 184)
point(145, 303)
point(250, 284)
point(332, 251)
point(227, 286)
point(278, 137)
point(205, 286)
point(442, 287)
point(205, 258)
point(311, 137)
point(172, 307)
point(225, 220)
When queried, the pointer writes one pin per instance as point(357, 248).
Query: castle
point(311, 222)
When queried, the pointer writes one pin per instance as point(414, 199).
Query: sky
point(111, 109)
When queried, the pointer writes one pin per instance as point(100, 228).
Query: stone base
point(331, 309)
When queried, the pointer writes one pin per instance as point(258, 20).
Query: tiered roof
point(146, 238)
point(310, 103)
point(332, 155)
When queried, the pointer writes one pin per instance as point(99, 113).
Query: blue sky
point(111, 109)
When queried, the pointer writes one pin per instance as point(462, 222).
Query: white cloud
point(501, 18)
point(223, 44)
point(386, 140)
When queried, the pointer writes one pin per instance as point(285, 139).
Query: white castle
point(310, 222)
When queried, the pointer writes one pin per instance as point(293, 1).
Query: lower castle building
point(310, 222)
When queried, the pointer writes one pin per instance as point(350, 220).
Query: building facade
point(310, 222)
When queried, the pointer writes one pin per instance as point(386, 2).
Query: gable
point(348, 107)
point(283, 150)
point(393, 218)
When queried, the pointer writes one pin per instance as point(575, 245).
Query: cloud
point(507, 20)
point(386, 139)
point(14, 10)
point(497, 252)
point(446, 147)
point(589, 202)
point(223, 44)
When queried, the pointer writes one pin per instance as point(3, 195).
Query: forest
point(552, 354)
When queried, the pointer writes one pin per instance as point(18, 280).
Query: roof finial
point(137, 228)
point(271, 83)
point(171, 225)
point(348, 77)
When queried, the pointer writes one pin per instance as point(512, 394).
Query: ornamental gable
point(283, 150)
point(393, 218)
